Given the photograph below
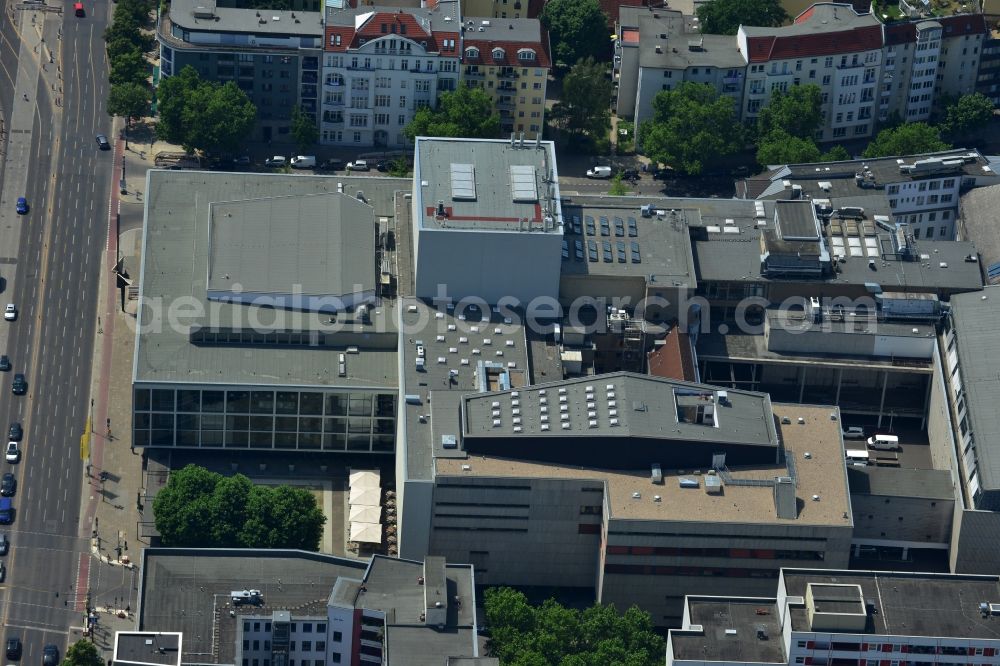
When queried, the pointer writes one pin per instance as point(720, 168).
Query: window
point(826, 79)
point(335, 657)
point(943, 232)
point(402, 101)
point(839, 132)
point(321, 627)
point(930, 232)
point(307, 646)
point(320, 646)
point(307, 627)
point(338, 637)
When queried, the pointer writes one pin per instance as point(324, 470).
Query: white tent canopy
point(365, 514)
point(365, 480)
point(366, 532)
point(365, 497)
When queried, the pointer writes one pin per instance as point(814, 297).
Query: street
point(52, 258)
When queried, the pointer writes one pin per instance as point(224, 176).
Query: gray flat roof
point(141, 647)
point(796, 320)
point(918, 604)
point(234, 19)
point(976, 318)
point(502, 30)
point(621, 404)
point(181, 590)
point(664, 250)
point(977, 222)
point(823, 14)
point(174, 275)
point(684, 46)
point(487, 185)
point(315, 244)
point(730, 631)
point(901, 482)
point(443, 331)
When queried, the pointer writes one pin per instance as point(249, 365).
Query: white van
point(599, 172)
point(303, 161)
point(856, 457)
point(884, 442)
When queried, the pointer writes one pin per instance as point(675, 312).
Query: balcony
point(505, 106)
point(474, 74)
point(508, 73)
point(334, 84)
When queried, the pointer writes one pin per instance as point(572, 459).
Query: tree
point(399, 167)
point(583, 105)
point(172, 96)
point(797, 112)
point(553, 634)
point(578, 29)
point(218, 118)
point(907, 139)
point(129, 100)
point(129, 67)
point(83, 653)
point(691, 126)
point(199, 508)
point(464, 112)
point(836, 154)
point(304, 129)
point(724, 17)
point(618, 188)
point(968, 114)
point(780, 147)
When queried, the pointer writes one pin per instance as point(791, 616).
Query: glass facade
point(250, 418)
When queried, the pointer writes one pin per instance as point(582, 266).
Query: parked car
point(243, 161)
point(4, 544)
point(332, 164)
point(5, 363)
point(22, 206)
point(630, 174)
point(102, 142)
point(599, 172)
point(20, 385)
point(8, 485)
point(7, 518)
point(13, 647)
point(358, 165)
point(276, 161)
point(854, 432)
point(10, 312)
point(50, 655)
point(303, 161)
point(13, 453)
point(16, 432)
point(383, 165)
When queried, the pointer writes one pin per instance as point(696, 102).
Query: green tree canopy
point(836, 154)
point(129, 100)
point(578, 29)
point(906, 139)
point(204, 115)
point(199, 508)
point(552, 634)
point(129, 67)
point(82, 653)
point(724, 17)
point(465, 112)
point(172, 96)
point(691, 125)
point(618, 188)
point(970, 113)
point(797, 112)
point(583, 105)
point(780, 147)
point(304, 130)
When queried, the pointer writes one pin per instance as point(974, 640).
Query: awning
point(366, 532)
point(365, 497)
point(365, 480)
point(365, 514)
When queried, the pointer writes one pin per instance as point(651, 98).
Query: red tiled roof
point(763, 49)
point(510, 50)
point(630, 35)
point(345, 33)
point(394, 23)
point(900, 33)
point(673, 358)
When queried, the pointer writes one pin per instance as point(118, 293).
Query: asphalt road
point(57, 265)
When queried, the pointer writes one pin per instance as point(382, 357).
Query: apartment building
point(509, 59)
point(272, 55)
point(830, 45)
point(502, 8)
point(845, 617)
point(380, 66)
point(988, 77)
point(926, 60)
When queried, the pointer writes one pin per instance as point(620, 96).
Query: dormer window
point(334, 40)
point(498, 54)
point(525, 54)
point(472, 52)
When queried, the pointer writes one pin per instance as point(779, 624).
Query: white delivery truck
point(599, 172)
point(857, 457)
point(884, 442)
point(304, 162)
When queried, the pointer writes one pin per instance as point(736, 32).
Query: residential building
point(502, 8)
point(295, 607)
point(922, 191)
point(482, 208)
point(927, 60)
point(988, 78)
point(822, 616)
point(658, 49)
point(273, 56)
point(282, 341)
point(830, 45)
point(380, 65)
point(509, 59)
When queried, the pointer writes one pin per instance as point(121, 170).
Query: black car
point(102, 142)
point(630, 174)
point(50, 655)
point(16, 432)
point(382, 165)
point(13, 647)
point(8, 485)
point(4, 543)
point(5, 363)
point(20, 386)
point(333, 164)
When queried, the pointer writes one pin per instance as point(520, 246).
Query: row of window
point(930, 200)
point(262, 402)
point(646, 570)
point(732, 553)
point(304, 646)
point(847, 646)
point(307, 628)
point(334, 659)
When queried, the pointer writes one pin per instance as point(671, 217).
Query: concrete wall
point(910, 519)
point(628, 80)
point(974, 545)
point(851, 344)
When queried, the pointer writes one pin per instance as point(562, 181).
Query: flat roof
point(174, 293)
point(181, 591)
point(730, 631)
point(622, 405)
point(486, 185)
point(976, 318)
point(977, 208)
point(611, 238)
point(200, 15)
point(822, 473)
point(149, 648)
point(843, 322)
point(901, 482)
point(907, 604)
point(671, 40)
point(313, 244)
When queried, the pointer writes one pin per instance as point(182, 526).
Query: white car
point(358, 165)
point(303, 161)
point(599, 172)
point(13, 453)
point(10, 313)
point(276, 161)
